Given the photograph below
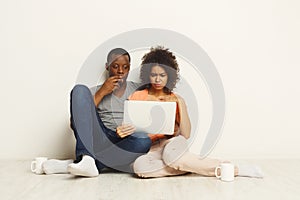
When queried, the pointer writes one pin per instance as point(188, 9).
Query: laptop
point(151, 116)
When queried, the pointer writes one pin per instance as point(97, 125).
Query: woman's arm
point(185, 124)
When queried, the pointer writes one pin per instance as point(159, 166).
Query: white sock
point(86, 167)
point(54, 166)
point(250, 171)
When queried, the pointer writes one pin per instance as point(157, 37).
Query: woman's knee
point(145, 165)
point(174, 150)
point(140, 165)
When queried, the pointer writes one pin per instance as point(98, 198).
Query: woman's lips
point(157, 85)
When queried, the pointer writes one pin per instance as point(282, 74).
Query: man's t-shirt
point(111, 108)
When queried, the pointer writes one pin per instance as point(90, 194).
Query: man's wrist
point(98, 98)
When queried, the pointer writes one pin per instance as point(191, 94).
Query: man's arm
point(98, 97)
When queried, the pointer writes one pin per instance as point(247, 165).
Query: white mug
point(37, 165)
point(226, 171)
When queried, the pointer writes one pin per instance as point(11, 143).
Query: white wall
point(255, 46)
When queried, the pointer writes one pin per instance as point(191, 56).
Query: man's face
point(119, 66)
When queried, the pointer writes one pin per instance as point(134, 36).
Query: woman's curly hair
point(159, 56)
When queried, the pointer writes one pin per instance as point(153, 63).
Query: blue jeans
point(99, 142)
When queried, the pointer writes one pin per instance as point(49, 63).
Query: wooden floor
point(282, 181)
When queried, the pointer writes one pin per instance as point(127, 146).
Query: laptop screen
point(151, 116)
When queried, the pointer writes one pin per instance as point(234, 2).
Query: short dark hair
point(164, 58)
point(117, 51)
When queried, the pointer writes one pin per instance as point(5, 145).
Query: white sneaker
point(86, 167)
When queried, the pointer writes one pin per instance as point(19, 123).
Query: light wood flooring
point(281, 181)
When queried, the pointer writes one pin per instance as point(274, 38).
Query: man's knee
point(81, 94)
point(140, 144)
point(80, 90)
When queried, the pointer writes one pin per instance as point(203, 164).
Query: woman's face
point(158, 77)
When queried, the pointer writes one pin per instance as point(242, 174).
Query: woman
point(169, 156)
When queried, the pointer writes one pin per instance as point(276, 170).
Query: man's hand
point(108, 87)
point(125, 130)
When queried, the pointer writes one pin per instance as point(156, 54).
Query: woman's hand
point(168, 98)
point(125, 130)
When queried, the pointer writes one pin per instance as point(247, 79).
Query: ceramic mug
point(226, 172)
point(37, 165)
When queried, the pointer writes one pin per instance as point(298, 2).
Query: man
point(95, 120)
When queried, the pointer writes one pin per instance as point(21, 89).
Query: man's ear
point(106, 66)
